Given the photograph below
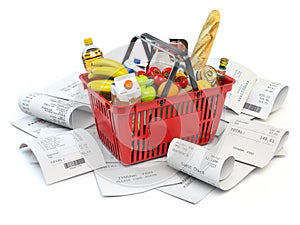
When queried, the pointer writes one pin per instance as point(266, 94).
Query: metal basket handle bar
point(178, 56)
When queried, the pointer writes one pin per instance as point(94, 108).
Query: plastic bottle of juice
point(90, 53)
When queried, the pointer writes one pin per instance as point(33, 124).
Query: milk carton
point(125, 90)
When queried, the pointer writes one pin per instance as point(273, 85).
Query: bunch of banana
point(101, 86)
point(106, 68)
point(102, 75)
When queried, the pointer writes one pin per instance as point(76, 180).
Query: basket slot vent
point(203, 107)
point(137, 124)
point(172, 108)
point(143, 149)
point(201, 133)
point(152, 151)
point(212, 115)
point(163, 150)
point(148, 153)
point(211, 106)
point(166, 112)
point(176, 107)
point(132, 151)
point(181, 106)
point(98, 105)
point(197, 104)
point(204, 133)
point(157, 150)
point(215, 105)
point(187, 104)
point(163, 113)
point(142, 122)
point(156, 114)
point(137, 151)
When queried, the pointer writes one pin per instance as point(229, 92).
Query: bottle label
point(89, 57)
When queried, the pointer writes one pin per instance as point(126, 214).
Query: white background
point(41, 42)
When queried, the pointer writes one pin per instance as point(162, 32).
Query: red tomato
point(140, 72)
point(152, 71)
point(166, 71)
point(181, 81)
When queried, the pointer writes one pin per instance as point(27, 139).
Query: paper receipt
point(252, 142)
point(66, 155)
point(206, 165)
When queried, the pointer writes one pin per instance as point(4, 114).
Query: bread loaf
point(205, 40)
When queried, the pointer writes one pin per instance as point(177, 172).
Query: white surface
point(41, 42)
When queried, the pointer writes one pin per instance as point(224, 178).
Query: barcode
point(251, 107)
point(74, 163)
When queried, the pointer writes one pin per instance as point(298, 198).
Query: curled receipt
point(210, 166)
point(66, 113)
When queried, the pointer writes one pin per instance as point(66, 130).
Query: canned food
point(209, 74)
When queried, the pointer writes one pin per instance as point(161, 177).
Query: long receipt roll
point(208, 166)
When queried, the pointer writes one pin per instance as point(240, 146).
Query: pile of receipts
point(65, 146)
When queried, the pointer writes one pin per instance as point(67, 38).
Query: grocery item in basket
point(203, 84)
point(148, 93)
point(221, 72)
point(107, 72)
point(159, 79)
point(205, 40)
point(209, 74)
point(107, 62)
point(142, 79)
point(174, 90)
point(101, 86)
point(181, 44)
point(135, 65)
point(181, 80)
point(125, 90)
point(161, 60)
point(152, 71)
point(90, 53)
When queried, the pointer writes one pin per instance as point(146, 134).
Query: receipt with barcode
point(65, 155)
point(251, 142)
point(265, 98)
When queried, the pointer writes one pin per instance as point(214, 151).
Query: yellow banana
point(108, 63)
point(100, 85)
point(106, 72)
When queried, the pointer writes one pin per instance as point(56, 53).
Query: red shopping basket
point(143, 131)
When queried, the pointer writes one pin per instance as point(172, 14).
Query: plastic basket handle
point(176, 53)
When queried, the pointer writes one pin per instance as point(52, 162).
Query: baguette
point(205, 40)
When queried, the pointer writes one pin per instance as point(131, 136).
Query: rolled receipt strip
point(210, 166)
point(66, 113)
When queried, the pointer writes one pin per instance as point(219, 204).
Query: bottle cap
point(223, 63)
point(88, 41)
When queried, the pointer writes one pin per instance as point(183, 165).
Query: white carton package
point(125, 90)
